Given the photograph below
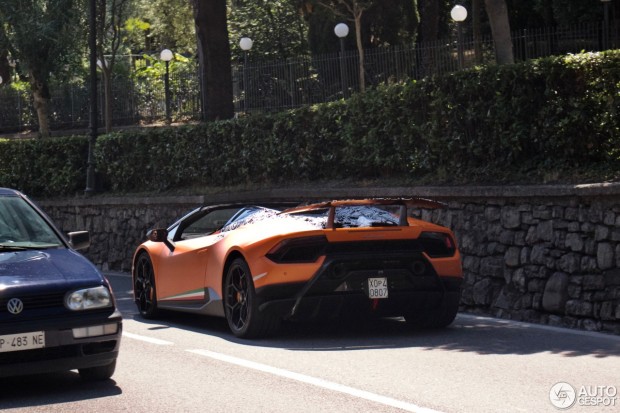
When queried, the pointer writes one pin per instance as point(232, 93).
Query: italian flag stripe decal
point(188, 295)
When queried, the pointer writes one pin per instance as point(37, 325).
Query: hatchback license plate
point(22, 341)
point(377, 287)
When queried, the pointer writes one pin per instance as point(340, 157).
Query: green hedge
point(477, 125)
point(44, 167)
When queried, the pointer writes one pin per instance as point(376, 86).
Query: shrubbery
point(477, 125)
point(44, 167)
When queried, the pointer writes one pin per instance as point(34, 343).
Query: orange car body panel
point(197, 265)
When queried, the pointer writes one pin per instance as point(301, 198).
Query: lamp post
point(92, 46)
point(166, 55)
point(605, 23)
point(459, 14)
point(246, 45)
point(342, 30)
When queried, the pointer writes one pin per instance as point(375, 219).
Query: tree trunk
point(5, 69)
point(41, 98)
point(360, 48)
point(214, 55)
point(475, 12)
point(500, 27)
point(429, 29)
point(107, 97)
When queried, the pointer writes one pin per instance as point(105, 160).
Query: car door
point(182, 271)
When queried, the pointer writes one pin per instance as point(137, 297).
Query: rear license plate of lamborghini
point(378, 287)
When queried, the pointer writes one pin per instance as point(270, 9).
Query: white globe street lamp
point(246, 45)
point(166, 55)
point(458, 13)
point(342, 30)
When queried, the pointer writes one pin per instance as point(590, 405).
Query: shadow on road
point(482, 335)
point(53, 388)
point(485, 336)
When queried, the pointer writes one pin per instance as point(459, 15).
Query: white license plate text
point(22, 341)
point(377, 287)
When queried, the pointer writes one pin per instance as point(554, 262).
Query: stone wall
point(545, 254)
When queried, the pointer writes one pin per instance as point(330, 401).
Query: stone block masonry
point(543, 254)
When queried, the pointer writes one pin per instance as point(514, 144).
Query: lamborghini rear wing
point(404, 203)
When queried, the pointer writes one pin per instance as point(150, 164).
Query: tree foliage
point(111, 15)
point(382, 23)
point(45, 36)
point(161, 24)
point(504, 123)
point(275, 26)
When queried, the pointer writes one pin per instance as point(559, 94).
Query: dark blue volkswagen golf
point(57, 311)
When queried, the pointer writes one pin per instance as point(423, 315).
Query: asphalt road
point(185, 363)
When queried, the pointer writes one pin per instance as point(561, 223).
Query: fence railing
point(306, 80)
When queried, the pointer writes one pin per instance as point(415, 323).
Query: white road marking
point(148, 339)
point(362, 394)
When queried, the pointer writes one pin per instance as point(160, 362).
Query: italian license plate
point(377, 287)
point(22, 341)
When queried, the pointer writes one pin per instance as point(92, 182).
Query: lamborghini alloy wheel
point(241, 307)
point(144, 287)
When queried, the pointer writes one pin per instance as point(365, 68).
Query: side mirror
point(160, 235)
point(79, 240)
point(157, 235)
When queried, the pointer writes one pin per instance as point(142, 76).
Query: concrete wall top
point(305, 193)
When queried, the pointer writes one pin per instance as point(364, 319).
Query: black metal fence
point(273, 86)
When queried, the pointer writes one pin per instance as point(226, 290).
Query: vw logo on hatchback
point(15, 306)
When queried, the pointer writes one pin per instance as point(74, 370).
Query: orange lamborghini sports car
point(257, 265)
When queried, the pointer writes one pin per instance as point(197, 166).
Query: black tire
point(435, 318)
point(145, 292)
point(241, 307)
point(98, 373)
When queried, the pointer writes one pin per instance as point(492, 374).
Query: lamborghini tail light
point(437, 244)
point(298, 250)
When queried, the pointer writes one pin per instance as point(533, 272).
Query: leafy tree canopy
point(160, 24)
point(275, 27)
point(45, 36)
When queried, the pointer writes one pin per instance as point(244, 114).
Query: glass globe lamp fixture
point(166, 55)
point(245, 43)
point(341, 30)
point(458, 13)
